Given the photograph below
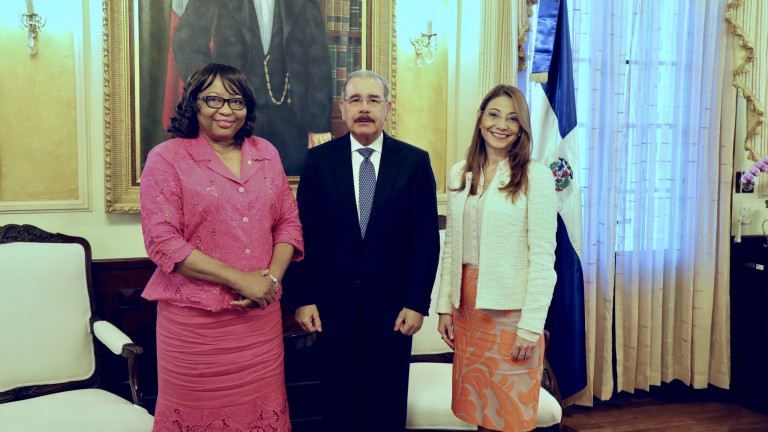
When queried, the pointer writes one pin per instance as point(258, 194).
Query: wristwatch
point(275, 282)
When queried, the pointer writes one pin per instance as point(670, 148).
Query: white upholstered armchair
point(49, 361)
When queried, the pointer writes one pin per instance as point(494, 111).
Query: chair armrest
point(111, 336)
point(120, 344)
point(446, 357)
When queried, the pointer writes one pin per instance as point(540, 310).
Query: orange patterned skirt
point(489, 388)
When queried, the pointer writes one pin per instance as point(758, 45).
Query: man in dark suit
point(288, 65)
point(368, 209)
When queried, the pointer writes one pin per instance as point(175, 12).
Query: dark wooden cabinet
point(117, 286)
point(302, 374)
point(302, 381)
point(749, 320)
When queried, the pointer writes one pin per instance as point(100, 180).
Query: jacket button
point(501, 182)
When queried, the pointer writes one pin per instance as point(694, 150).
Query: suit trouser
point(365, 382)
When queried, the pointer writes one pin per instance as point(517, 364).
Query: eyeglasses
point(373, 102)
point(217, 102)
point(495, 116)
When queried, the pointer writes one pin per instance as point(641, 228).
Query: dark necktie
point(366, 188)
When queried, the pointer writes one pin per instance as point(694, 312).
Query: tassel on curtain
point(525, 12)
point(747, 24)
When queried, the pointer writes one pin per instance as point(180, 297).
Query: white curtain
point(498, 57)
point(667, 240)
point(656, 178)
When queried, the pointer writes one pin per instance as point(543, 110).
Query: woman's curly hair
point(184, 124)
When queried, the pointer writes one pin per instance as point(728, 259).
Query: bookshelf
point(347, 21)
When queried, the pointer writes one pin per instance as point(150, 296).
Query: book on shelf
point(330, 14)
point(357, 57)
point(336, 15)
point(342, 54)
point(344, 15)
point(344, 24)
point(355, 15)
point(332, 48)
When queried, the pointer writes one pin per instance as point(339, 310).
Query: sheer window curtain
point(657, 163)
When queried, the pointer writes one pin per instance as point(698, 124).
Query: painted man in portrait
point(282, 48)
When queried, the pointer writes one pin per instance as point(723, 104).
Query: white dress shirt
point(265, 12)
point(357, 160)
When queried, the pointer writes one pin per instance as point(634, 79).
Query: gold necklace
point(269, 85)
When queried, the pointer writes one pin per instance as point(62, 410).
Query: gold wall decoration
point(44, 151)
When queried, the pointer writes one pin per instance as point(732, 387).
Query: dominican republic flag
point(553, 119)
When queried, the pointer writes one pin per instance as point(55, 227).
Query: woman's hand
point(523, 349)
point(445, 328)
point(243, 303)
point(256, 287)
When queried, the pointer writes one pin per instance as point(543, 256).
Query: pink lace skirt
point(220, 370)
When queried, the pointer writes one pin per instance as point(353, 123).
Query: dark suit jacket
point(232, 25)
point(357, 282)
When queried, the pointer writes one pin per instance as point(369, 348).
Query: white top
point(517, 247)
point(473, 226)
point(357, 160)
point(265, 13)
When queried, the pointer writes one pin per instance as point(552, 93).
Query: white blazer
point(517, 246)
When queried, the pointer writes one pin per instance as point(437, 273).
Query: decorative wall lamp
point(425, 46)
point(33, 23)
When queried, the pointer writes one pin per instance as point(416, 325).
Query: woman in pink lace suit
point(222, 225)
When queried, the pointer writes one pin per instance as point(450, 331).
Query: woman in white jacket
point(498, 268)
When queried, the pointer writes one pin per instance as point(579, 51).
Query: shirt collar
point(199, 148)
point(503, 166)
point(376, 145)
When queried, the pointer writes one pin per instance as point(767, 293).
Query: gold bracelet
point(275, 282)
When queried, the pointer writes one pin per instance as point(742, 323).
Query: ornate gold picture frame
point(122, 52)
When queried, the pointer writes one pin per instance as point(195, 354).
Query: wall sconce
point(425, 46)
point(33, 23)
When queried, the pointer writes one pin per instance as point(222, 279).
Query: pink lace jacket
point(191, 200)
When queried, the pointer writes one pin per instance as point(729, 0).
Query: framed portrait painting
point(297, 70)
